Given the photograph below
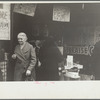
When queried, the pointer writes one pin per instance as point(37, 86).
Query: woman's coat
point(26, 60)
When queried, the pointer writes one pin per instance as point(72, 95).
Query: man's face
point(21, 40)
point(38, 43)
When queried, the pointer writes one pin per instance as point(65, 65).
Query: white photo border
point(50, 90)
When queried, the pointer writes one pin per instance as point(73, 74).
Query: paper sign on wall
point(5, 22)
point(26, 9)
point(61, 13)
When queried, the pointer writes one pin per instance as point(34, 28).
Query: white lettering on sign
point(83, 50)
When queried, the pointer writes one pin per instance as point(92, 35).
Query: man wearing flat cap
point(25, 59)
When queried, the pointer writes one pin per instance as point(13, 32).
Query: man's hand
point(14, 56)
point(28, 72)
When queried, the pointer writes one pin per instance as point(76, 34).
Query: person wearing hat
point(25, 59)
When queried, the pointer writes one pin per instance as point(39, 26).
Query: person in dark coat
point(50, 57)
point(96, 61)
point(37, 67)
point(25, 59)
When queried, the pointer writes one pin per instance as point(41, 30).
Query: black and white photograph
point(48, 42)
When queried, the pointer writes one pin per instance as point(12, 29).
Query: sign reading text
point(82, 50)
point(5, 22)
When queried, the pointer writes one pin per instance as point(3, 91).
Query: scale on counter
point(72, 69)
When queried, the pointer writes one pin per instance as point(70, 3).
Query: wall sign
point(5, 22)
point(26, 9)
point(82, 50)
point(61, 13)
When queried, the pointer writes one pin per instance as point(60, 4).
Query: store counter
point(82, 77)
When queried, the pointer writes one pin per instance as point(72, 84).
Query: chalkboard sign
point(5, 22)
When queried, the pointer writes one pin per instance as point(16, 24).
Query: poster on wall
point(61, 13)
point(4, 21)
point(26, 9)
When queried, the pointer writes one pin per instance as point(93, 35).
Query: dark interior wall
point(32, 25)
point(83, 24)
point(43, 15)
point(80, 29)
point(21, 23)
